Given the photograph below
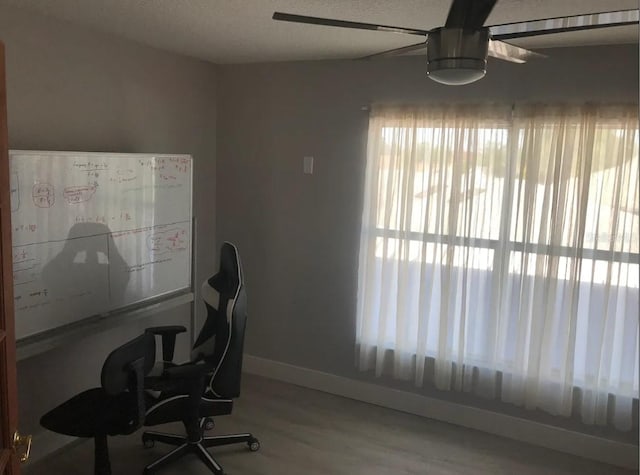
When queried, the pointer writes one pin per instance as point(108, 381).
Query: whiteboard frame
point(133, 308)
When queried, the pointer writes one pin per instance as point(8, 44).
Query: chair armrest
point(166, 329)
point(168, 334)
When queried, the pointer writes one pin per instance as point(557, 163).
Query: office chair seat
point(93, 412)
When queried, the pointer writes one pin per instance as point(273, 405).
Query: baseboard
point(576, 443)
point(46, 443)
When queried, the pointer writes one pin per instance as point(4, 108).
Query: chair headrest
point(229, 260)
point(229, 274)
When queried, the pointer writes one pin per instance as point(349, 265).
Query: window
point(504, 240)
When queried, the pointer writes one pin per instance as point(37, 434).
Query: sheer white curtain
point(502, 244)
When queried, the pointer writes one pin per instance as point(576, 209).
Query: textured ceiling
point(239, 31)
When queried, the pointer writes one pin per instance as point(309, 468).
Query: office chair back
point(122, 377)
point(221, 340)
point(116, 375)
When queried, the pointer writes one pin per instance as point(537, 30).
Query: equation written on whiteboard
point(79, 194)
point(140, 251)
point(30, 292)
point(26, 266)
point(89, 174)
point(123, 217)
point(43, 195)
point(168, 241)
point(161, 244)
point(91, 165)
point(40, 298)
point(95, 232)
point(168, 168)
point(23, 231)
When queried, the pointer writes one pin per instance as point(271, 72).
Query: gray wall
point(72, 89)
point(299, 234)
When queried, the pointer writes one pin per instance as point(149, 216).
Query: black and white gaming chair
point(203, 388)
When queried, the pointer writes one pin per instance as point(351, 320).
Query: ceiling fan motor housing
point(457, 56)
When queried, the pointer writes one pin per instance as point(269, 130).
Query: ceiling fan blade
point(312, 20)
point(509, 52)
point(469, 13)
point(397, 51)
point(563, 24)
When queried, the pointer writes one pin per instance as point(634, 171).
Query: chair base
point(199, 448)
point(101, 464)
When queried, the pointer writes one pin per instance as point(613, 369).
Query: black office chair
point(195, 392)
point(116, 408)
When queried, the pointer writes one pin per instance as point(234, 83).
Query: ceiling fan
point(457, 52)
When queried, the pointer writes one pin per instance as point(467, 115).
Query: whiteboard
point(96, 232)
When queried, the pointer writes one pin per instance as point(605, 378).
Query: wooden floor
point(307, 432)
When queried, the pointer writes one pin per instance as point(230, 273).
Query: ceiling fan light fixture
point(456, 72)
point(456, 56)
point(457, 52)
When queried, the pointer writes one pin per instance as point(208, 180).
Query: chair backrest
point(117, 368)
point(124, 370)
point(221, 340)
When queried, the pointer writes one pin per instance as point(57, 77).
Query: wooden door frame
point(8, 381)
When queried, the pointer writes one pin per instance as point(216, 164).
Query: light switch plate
point(308, 166)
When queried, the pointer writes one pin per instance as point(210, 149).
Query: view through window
point(503, 239)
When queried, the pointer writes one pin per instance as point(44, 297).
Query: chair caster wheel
point(148, 443)
point(208, 424)
point(254, 445)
